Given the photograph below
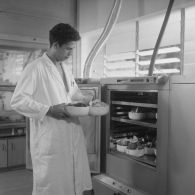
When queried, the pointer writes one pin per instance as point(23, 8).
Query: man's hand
point(94, 102)
point(58, 112)
point(87, 99)
point(162, 79)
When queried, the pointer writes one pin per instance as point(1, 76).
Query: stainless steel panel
point(105, 185)
point(132, 173)
point(183, 79)
point(181, 153)
point(142, 87)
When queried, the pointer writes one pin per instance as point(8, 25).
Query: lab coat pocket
point(46, 140)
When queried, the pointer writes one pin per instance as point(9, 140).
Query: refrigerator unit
point(134, 150)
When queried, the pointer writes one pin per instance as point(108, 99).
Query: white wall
point(33, 18)
point(93, 14)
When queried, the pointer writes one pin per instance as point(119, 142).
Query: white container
point(155, 151)
point(136, 115)
point(149, 151)
point(136, 152)
point(77, 111)
point(6, 99)
point(15, 117)
point(121, 148)
point(98, 110)
point(20, 131)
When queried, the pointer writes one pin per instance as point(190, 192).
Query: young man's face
point(65, 51)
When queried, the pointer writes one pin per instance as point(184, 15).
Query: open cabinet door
point(91, 128)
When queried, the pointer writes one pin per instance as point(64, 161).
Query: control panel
point(130, 80)
point(118, 187)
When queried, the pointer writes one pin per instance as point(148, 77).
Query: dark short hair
point(62, 34)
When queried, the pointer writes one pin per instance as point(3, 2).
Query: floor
point(18, 182)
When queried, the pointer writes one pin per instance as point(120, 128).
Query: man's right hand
point(58, 112)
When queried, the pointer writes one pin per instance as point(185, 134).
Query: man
point(59, 158)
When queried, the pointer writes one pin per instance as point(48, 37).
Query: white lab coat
point(59, 158)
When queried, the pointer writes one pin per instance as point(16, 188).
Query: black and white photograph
point(97, 97)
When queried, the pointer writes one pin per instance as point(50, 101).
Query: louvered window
point(168, 59)
point(129, 48)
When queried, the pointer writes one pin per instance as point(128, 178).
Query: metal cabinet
point(3, 153)
point(16, 151)
point(181, 153)
point(12, 131)
point(12, 151)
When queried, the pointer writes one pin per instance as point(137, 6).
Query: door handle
point(3, 147)
point(12, 146)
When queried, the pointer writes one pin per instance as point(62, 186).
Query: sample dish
point(99, 109)
point(136, 115)
point(77, 110)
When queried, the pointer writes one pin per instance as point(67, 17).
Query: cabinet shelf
point(149, 160)
point(12, 125)
point(146, 105)
point(8, 112)
point(151, 124)
point(12, 136)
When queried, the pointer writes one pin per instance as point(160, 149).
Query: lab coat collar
point(53, 68)
point(50, 63)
